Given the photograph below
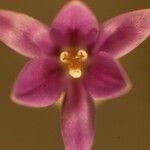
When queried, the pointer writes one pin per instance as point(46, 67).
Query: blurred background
point(121, 124)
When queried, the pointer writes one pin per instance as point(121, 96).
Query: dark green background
point(122, 124)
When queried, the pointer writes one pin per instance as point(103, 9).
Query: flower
point(75, 56)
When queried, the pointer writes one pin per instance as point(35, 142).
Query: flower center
point(74, 62)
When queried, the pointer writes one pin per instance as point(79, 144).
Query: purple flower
point(76, 57)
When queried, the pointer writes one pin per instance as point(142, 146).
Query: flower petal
point(39, 84)
point(121, 34)
point(77, 118)
point(105, 78)
point(23, 33)
point(74, 25)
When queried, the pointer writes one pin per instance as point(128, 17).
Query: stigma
point(74, 62)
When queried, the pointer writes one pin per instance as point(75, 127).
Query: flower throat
point(74, 62)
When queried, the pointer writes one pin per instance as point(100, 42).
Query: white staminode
point(75, 73)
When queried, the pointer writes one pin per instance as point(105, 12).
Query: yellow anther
point(64, 57)
point(82, 54)
point(74, 62)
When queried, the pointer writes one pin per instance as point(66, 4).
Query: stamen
point(83, 54)
point(64, 57)
point(74, 62)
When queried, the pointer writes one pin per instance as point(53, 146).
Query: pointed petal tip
point(118, 94)
point(26, 103)
point(24, 34)
point(29, 104)
point(76, 2)
point(22, 103)
point(81, 5)
point(123, 33)
point(127, 85)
